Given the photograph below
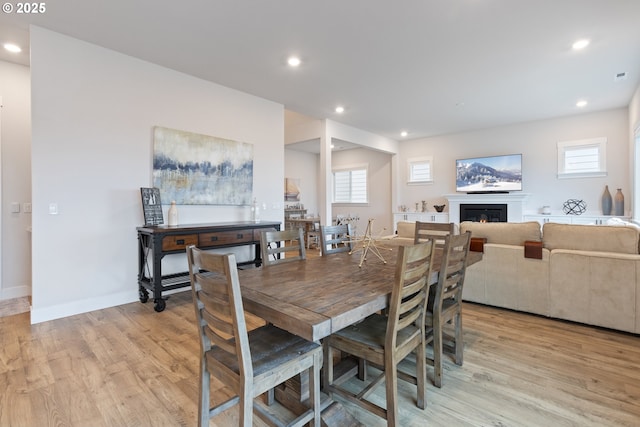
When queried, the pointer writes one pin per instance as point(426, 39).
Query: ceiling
point(429, 67)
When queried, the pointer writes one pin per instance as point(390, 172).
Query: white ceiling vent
point(620, 77)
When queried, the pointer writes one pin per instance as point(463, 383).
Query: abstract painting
point(195, 169)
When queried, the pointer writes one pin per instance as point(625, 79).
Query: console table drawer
point(225, 238)
point(178, 242)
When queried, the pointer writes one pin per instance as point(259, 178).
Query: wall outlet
point(53, 208)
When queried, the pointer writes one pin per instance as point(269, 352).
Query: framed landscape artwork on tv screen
point(494, 174)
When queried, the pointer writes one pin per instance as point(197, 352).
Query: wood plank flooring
point(131, 366)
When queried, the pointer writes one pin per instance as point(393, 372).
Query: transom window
point(582, 158)
point(420, 170)
point(350, 185)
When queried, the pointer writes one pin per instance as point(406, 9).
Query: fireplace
point(515, 202)
point(496, 212)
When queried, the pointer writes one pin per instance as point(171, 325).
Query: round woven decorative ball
point(574, 207)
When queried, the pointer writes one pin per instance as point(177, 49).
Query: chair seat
point(270, 347)
point(367, 338)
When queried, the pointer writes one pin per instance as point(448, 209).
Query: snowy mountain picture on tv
point(495, 174)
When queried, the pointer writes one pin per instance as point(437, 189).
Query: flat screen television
point(494, 174)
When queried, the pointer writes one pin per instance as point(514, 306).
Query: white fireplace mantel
point(515, 203)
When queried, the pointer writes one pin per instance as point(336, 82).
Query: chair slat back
point(336, 238)
point(452, 269)
point(427, 230)
point(282, 246)
point(215, 288)
point(409, 296)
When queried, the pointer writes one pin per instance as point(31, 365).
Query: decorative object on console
point(255, 211)
point(619, 203)
point(195, 169)
point(439, 208)
point(574, 207)
point(424, 206)
point(173, 214)
point(606, 201)
point(546, 210)
point(151, 206)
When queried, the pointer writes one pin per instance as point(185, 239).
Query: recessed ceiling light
point(12, 48)
point(580, 44)
point(581, 103)
point(339, 109)
point(294, 61)
point(404, 133)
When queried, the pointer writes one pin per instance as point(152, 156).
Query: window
point(350, 185)
point(420, 170)
point(583, 158)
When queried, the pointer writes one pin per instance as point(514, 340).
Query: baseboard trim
point(44, 314)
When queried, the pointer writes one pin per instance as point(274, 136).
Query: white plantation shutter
point(583, 158)
point(350, 186)
point(421, 170)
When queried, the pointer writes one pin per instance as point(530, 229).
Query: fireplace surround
point(515, 204)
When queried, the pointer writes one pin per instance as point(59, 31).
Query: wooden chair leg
point(421, 376)
point(362, 369)
point(205, 384)
point(391, 380)
point(437, 352)
point(459, 344)
point(314, 389)
point(245, 406)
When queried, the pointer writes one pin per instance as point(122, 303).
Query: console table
point(154, 242)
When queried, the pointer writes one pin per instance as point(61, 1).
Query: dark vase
point(606, 201)
point(618, 203)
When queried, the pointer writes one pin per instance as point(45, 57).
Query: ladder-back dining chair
point(384, 341)
point(335, 238)
point(427, 230)
point(248, 363)
point(313, 234)
point(445, 303)
point(282, 246)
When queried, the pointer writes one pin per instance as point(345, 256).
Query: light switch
point(53, 208)
point(15, 207)
point(26, 207)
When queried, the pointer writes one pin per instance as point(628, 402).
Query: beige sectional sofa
point(587, 273)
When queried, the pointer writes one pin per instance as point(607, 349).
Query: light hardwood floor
point(131, 366)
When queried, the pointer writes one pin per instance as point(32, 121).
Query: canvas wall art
point(291, 189)
point(195, 169)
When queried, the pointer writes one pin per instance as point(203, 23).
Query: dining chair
point(313, 234)
point(426, 230)
point(445, 303)
point(335, 238)
point(282, 246)
point(248, 363)
point(384, 341)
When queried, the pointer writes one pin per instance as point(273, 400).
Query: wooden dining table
point(316, 297)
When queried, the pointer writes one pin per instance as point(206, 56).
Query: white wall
point(537, 143)
point(634, 124)
point(304, 166)
point(92, 116)
point(16, 180)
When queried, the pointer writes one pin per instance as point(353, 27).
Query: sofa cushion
point(506, 233)
point(599, 238)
